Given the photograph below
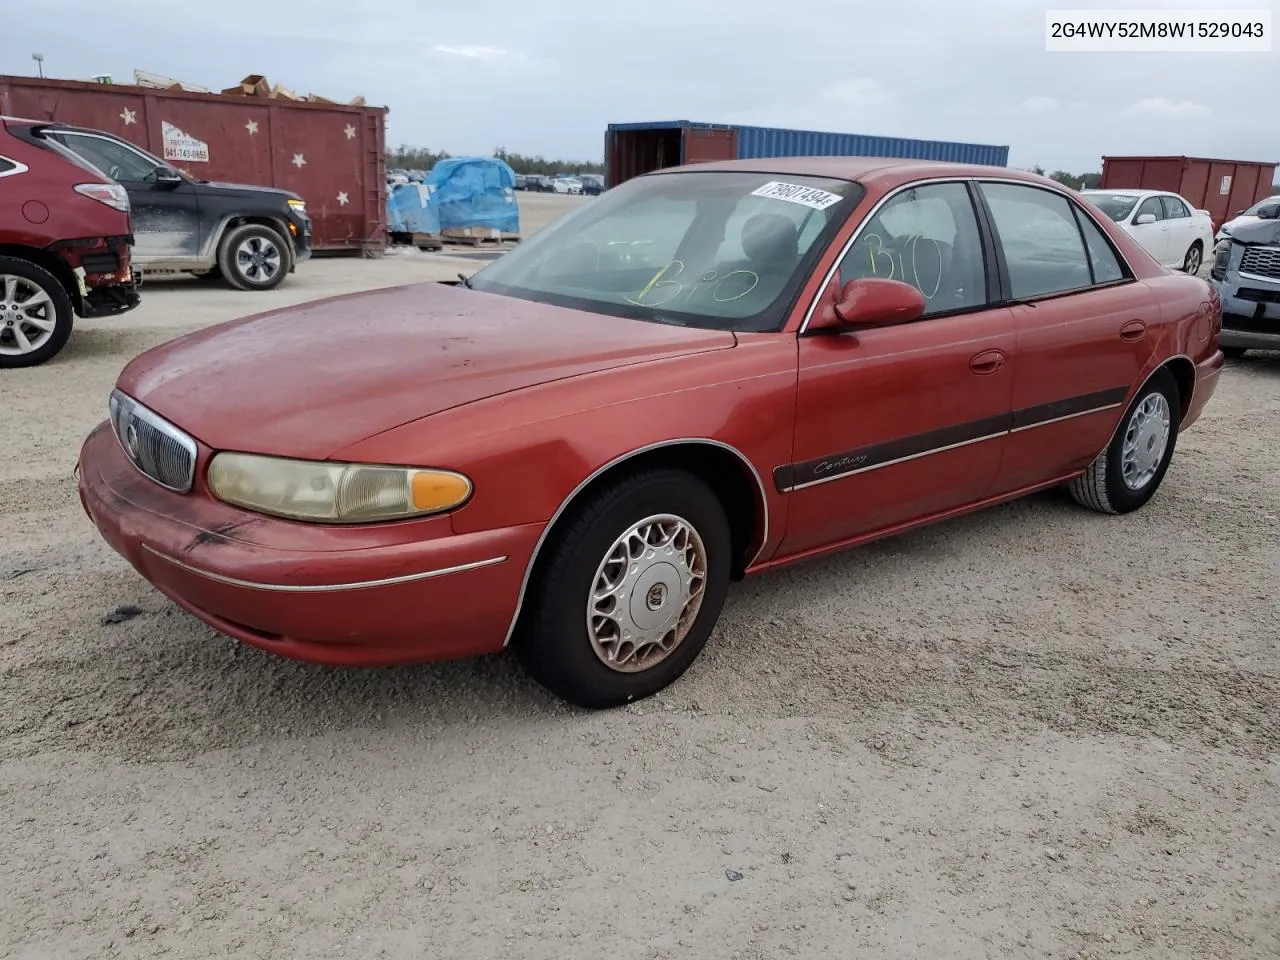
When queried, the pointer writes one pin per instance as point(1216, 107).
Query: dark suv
point(252, 237)
point(64, 248)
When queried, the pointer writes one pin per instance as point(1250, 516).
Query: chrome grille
point(1261, 262)
point(153, 445)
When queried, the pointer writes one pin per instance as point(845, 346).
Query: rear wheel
point(36, 313)
point(628, 591)
point(1194, 258)
point(1127, 474)
point(254, 257)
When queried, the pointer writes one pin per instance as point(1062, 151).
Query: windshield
point(726, 251)
point(1269, 202)
point(1117, 206)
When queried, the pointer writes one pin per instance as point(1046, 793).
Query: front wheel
point(1191, 262)
point(628, 590)
point(36, 313)
point(254, 257)
point(1129, 471)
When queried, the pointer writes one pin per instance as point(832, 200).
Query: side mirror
point(1145, 218)
point(1238, 213)
point(167, 176)
point(873, 302)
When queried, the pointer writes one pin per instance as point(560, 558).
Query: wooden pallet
point(474, 236)
point(423, 241)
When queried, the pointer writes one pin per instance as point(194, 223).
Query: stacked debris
point(254, 85)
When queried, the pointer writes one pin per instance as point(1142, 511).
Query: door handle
point(989, 361)
point(1133, 330)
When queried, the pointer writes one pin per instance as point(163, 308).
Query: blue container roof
point(680, 124)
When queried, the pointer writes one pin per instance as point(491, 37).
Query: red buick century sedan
point(706, 373)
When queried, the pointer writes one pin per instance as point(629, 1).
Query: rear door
point(1084, 331)
point(898, 423)
point(1182, 229)
point(166, 216)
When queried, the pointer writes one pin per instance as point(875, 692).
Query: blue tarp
point(475, 192)
point(412, 208)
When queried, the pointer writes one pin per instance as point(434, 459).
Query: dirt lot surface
point(1035, 732)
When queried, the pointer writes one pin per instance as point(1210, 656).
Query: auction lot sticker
point(797, 193)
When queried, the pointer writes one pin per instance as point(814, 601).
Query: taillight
point(112, 194)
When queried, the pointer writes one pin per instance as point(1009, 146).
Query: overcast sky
point(470, 75)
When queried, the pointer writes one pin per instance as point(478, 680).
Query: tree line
point(406, 157)
point(1076, 181)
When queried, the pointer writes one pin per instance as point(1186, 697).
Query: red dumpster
point(333, 155)
point(1223, 187)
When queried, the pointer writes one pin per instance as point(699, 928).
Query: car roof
point(1133, 191)
point(882, 172)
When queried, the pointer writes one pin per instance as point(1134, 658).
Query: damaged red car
point(707, 373)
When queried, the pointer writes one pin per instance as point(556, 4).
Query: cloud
point(1040, 104)
point(550, 83)
point(473, 53)
point(1163, 107)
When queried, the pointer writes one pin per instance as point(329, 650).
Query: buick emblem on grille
point(131, 439)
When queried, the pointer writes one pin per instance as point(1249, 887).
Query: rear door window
point(1043, 247)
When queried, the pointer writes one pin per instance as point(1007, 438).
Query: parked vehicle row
point(586, 183)
point(710, 372)
point(147, 218)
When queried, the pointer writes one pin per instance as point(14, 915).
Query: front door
point(895, 424)
point(1083, 327)
point(1182, 230)
point(1153, 236)
point(165, 216)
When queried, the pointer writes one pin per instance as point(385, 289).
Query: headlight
point(334, 492)
point(299, 207)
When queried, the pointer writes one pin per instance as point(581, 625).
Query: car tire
point(22, 281)
point(1129, 471)
point(262, 270)
point(577, 639)
point(1194, 259)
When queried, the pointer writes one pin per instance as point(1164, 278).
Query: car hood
point(1253, 230)
point(309, 380)
point(248, 188)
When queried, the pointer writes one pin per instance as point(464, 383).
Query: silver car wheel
point(28, 316)
point(1192, 265)
point(257, 259)
point(646, 593)
point(1146, 438)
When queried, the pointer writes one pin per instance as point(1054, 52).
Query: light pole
point(39, 59)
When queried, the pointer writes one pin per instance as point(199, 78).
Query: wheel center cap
point(655, 598)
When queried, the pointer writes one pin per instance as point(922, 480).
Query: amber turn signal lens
point(434, 491)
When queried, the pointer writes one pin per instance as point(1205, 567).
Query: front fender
point(527, 451)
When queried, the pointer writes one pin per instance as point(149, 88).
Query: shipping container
point(631, 149)
point(332, 155)
point(1223, 187)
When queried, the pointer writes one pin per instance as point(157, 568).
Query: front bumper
point(1250, 305)
point(332, 601)
point(301, 241)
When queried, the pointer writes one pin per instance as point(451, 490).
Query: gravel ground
point(1033, 732)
